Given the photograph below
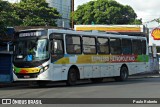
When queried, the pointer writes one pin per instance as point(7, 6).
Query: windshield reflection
point(31, 50)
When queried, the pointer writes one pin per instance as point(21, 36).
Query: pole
point(72, 14)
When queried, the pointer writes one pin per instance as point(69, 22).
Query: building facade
point(64, 8)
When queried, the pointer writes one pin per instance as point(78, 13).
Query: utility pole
point(72, 14)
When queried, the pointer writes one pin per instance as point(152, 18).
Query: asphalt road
point(133, 88)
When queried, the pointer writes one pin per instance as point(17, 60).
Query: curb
point(3, 85)
point(146, 75)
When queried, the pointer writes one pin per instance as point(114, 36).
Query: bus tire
point(123, 74)
point(72, 77)
point(96, 80)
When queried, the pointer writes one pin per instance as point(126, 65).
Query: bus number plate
point(26, 76)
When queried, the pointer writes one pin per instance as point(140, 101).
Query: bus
point(44, 55)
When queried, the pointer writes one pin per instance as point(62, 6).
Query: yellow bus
point(44, 55)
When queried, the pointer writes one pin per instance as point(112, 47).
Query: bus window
point(57, 46)
point(144, 47)
point(126, 46)
point(20, 49)
point(136, 47)
point(89, 45)
point(57, 49)
point(73, 44)
point(103, 45)
point(115, 46)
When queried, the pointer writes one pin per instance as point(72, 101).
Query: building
point(64, 7)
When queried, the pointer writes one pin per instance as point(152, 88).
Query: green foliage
point(7, 16)
point(26, 13)
point(158, 49)
point(105, 12)
point(36, 13)
point(157, 20)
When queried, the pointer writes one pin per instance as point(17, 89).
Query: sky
point(145, 9)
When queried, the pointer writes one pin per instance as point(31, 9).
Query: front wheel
point(72, 77)
point(123, 74)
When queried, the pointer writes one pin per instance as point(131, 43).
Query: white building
point(64, 8)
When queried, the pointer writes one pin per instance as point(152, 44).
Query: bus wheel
point(123, 74)
point(96, 80)
point(72, 77)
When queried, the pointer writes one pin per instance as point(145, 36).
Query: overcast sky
point(145, 9)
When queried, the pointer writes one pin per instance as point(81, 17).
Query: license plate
point(26, 76)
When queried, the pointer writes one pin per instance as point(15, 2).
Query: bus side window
point(103, 45)
point(73, 44)
point(136, 47)
point(126, 46)
point(89, 45)
point(57, 46)
point(144, 47)
point(115, 46)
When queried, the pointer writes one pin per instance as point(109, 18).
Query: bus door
point(57, 53)
point(56, 47)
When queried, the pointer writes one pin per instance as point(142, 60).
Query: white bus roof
point(95, 34)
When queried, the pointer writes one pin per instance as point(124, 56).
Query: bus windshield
point(31, 50)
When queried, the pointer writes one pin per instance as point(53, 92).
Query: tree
point(36, 13)
point(7, 18)
point(26, 13)
point(105, 12)
point(6, 15)
point(158, 49)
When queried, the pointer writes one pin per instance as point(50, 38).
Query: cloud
point(13, 1)
point(145, 9)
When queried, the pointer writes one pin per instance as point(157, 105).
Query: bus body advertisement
point(56, 55)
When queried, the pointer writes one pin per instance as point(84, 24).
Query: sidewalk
point(154, 74)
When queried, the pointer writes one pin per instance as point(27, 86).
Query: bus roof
point(95, 34)
point(91, 33)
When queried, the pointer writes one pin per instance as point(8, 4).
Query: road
point(133, 88)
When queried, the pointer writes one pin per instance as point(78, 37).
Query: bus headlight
point(41, 70)
point(44, 68)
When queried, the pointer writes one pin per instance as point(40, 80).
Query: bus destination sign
point(32, 33)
